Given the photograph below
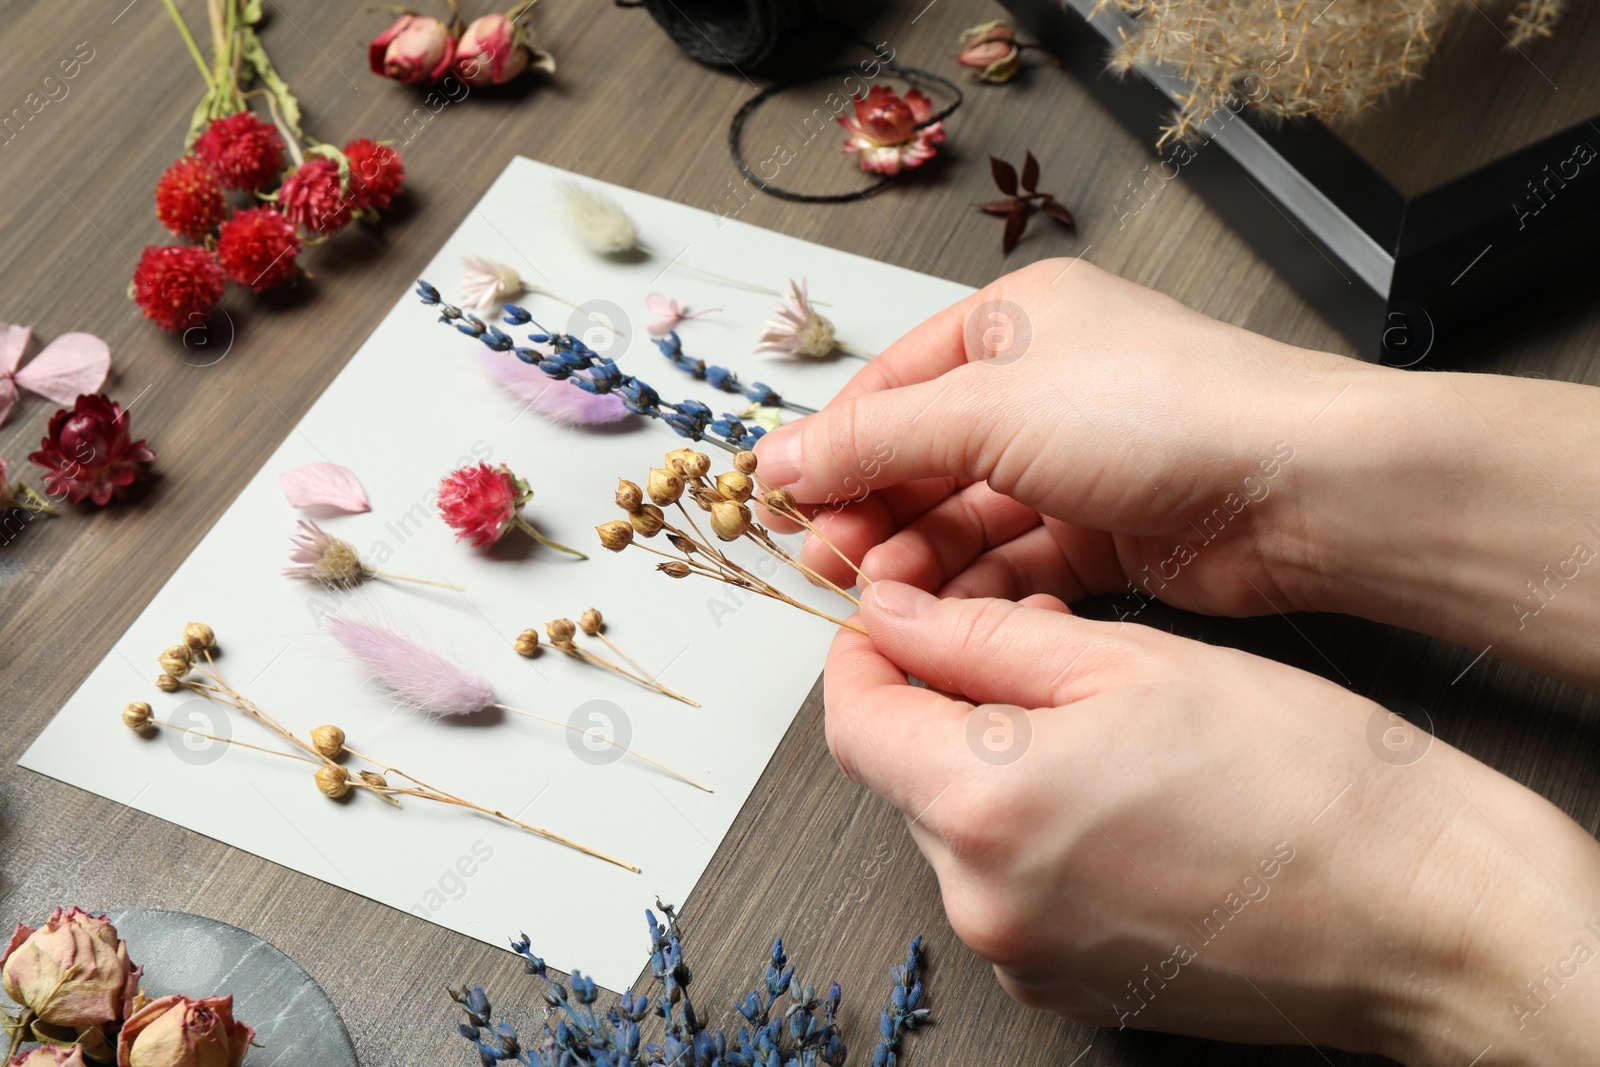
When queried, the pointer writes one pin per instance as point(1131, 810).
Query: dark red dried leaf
point(1005, 175)
point(1057, 211)
point(998, 207)
point(1030, 173)
point(1016, 224)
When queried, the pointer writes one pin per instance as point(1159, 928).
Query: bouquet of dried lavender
point(804, 1034)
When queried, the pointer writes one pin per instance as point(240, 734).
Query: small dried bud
point(696, 464)
point(647, 520)
point(674, 569)
point(198, 636)
point(729, 521)
point(629, 495)
point(167, 683)
point(665, 486)
point(615, 535)
point(561, 631)
point(683, 544)
point(744, 462)
point(136, 716)
point(176, 660)
point(333, 781)
point(704, 496)
point(328, 741)
point(374, 779)
point(527, 642)
point(735, 485)
point(590, 621)
point(779, 500)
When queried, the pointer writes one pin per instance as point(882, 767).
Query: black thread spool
point(741, 34)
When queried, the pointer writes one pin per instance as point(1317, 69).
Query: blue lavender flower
point(722, 378)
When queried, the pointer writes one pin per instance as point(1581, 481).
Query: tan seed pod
point(647, 520)
point(561, 631)
point(591, 621)
point(615, 535)
point(779, 500)
point(198, 636)
point(735, 485)
point(696, 464)
point(136, 716)
point(333, 781)
point(167, 683)
point(328, 741)
point(664, 486)
point(729, 521)
point(527, 642)
point(683, 544)
point(744, 462)
point(677, 460)
point(674, 569)
point(629, 495)
point(374, 779)
point(177, 660)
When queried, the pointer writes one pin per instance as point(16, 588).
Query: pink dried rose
point(883, 131)
point(481, 504)
point(50, 1056)
point(72, 971)
point(416, 50)
point(179, 1031)
point(494, 50)
point(990, 50)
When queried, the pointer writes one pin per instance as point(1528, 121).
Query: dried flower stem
point(738, 283)
point(796, 516)
point(528, 528)
point(733, 574)
point(375, 573)
point(231, 741)
point(599, 661)
point(602, 737)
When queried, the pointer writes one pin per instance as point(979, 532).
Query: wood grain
point(628, 108)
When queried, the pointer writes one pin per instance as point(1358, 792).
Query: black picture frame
point(1393, 273)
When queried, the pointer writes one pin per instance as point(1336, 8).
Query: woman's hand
point(1142, 830)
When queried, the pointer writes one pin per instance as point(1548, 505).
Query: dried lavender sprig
point(903, 1012)
point(722, 378)
point(572, 360)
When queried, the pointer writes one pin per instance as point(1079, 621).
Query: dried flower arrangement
point(1019, 205)
point(78, 996)
point(570, 360)
point(806, 1033)
point(1307, 57)
point(416, 674)
point(591, 623)
point(725, 500)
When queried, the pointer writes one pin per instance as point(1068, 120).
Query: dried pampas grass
point(1295, 58)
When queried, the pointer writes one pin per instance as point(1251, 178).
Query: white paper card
point(413, 404)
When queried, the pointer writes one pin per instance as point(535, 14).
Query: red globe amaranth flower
point(244, 151)
point(88, 454)
point(176, 286)
point(415, 50)
point(312, 199)
point(480, 503)
point(257, 248)
point(377, 174)
point(883, 131)
point(189, 199)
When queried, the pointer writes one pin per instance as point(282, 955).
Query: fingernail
point(897, 598)
point(778, 457)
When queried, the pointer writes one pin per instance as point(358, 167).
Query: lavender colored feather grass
point(419, 677)
point(558, 401)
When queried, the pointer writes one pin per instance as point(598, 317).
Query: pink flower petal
point(324, 483)
point(70, 366)
point(13, 342)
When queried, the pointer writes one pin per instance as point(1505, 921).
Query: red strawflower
point(257, 248)
point(883, 130)
point(177, 285)
point(377, 174)
point(88, 453)
point(312, 199)
point(245, 152)
point(189, 199)
point(481, 502)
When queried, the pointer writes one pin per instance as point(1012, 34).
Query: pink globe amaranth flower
point(179, 1031)
point(88, 454)
point(883, 130)
point(50, 1056)
point(416, 50)
point(494, 50)
point(480, 503)
point(72, 971)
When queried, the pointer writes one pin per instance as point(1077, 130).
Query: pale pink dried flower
point(419, 677)
point(486, 284)
point(322, 557)
point(800, 330)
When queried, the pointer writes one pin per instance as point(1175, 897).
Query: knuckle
point(992, 927)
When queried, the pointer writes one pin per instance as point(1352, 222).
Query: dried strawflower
point(88, 453)
point(486, 284)
point(1019, 206)
point(319, 556)
point(328, 741)
point(801, 330)
point(136, 716)
point(890, 133)
point(483, 503)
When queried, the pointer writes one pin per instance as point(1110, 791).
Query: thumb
point(998, 652)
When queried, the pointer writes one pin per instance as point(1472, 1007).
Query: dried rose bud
point(176, 660)
point(328, 741)
point(591, 621)
point(735, 485)
point(136, 716)
point(198, 636)
point(374, 779)
point(167, 683)
point(333, 781)
point(683, 544)
point(674, 569)
point(629, 495)
point(779, 500)
point(729, 521)
point(744, 462)
point(527, 642)
point(647, 520)
point(664, 486)
point(615, 535)
point(561, 631)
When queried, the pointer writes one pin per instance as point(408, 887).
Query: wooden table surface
point(812, 856)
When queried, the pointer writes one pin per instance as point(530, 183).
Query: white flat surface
point(411, 405)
